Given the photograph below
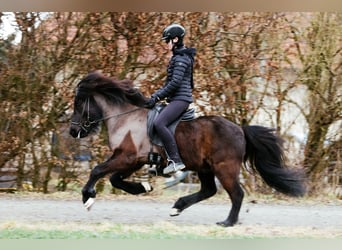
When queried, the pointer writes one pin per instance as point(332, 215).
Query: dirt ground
point(322, 219)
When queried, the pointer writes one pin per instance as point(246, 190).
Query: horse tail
point(265, 154)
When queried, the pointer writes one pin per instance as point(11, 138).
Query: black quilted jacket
point(179, 81)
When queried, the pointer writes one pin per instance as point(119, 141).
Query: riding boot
point(174, 161)
point(173, 167)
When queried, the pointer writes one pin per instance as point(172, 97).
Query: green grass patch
point(84, 234)
point(162, 230)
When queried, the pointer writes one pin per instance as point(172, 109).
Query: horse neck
point(121, 119)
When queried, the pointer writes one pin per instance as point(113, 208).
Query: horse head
point(87, 114)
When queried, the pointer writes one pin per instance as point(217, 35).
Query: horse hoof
point(90, 202)
point(225, 224)
point(147, 186)
point(174, 212)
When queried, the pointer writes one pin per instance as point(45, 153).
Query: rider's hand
point(151, 102)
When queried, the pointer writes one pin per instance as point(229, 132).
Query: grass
point(161, 230)
point(119, 231)
point(58, 234)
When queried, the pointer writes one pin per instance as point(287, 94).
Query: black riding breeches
point(168, 115)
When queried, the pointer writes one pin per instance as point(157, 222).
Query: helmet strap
point(173, 44)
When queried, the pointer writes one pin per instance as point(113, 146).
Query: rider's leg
point(169, 114)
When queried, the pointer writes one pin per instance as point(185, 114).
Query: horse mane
point(115, 91)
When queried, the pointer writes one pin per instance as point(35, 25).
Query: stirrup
point(153, 171)
point(157, 171)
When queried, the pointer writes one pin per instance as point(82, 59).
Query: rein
point(117, 115)
point(86, 124)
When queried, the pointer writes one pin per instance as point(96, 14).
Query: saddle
point(188, 115)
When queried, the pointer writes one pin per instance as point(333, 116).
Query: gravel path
point(142, 211)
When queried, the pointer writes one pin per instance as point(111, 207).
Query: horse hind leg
point(208, 189)
point(229, 179)
point(236, 195)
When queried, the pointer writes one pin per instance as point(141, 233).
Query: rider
point(177, 91)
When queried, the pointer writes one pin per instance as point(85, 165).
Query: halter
point(85, 125)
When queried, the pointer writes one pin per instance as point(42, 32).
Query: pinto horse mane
point(115, 91)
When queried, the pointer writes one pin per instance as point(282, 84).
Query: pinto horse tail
point(265, 154)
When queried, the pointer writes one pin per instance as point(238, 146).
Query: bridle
point(85, 125)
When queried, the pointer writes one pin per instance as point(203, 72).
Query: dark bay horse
point(210, 145)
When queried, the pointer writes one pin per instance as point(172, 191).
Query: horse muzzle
point(77, 132)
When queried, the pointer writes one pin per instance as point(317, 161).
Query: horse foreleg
point(208, 189)
point(117, 181)
point(123, 160)
point(88, 191)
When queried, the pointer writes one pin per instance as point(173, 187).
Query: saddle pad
point(188, 115)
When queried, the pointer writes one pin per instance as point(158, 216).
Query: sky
point(8, 27)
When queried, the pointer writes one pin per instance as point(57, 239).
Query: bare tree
point(240, 64)
point(319, 52)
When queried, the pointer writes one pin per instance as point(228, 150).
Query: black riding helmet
point(172, 31)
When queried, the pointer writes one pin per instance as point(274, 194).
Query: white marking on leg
point(147, 186)
point(174, 212)
point(89, 203)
